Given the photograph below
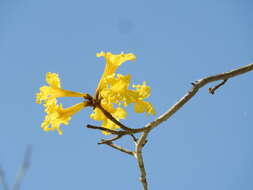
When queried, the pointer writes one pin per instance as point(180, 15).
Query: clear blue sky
point(206, 145)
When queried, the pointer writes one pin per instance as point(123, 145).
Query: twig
point(197, 85)
point(122, 126)
point(134, 138)
point(212, 90)
point(3, 180)
point(103, 141)
point(107, 130)
point(117, 147)
point(23, 169)
point(109, 116)
point(95, 102)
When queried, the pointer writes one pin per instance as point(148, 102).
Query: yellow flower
point(113, 91)
point(54, 89)
point(113, 61)
point(118, 92)
point(57, 115)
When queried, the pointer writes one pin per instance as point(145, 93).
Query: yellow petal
point(57, 115)
point(54, 90)
point(53, 80)
point(113, 61)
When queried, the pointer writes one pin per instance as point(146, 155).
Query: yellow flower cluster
point(113, 91)
point(56, 114)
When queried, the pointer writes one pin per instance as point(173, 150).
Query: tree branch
point(103, 141)
point(117, 147)
point(196, 86)
point(138, 155)
point(212, 90)
point(108, 130)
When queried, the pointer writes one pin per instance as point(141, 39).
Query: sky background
point(206, 145)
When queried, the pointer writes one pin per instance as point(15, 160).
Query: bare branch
point(107, 130)
point(103, 141)
point(117, 147)
point(212, 90)
point(134, 138)
point(23, 169)
point(197, 85)
point(138, 155)
point(3, 180)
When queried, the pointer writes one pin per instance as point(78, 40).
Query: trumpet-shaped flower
point(57, 115)
point(54, 89)
point(113, 91)
point(112, 63)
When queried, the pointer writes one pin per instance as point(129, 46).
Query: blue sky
point(206, 145)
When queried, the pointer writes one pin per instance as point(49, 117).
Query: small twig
point(108, 130)
point(3, 180)
point(122, 126)
point(212, 90)
point(109, 116)
point(25, 166)
point(117, 147)
point(134, 138)
point(103, 141)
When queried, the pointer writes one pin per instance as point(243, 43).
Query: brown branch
point(103, 141)
point(134, 138)
point(138, 155)
point(212, 90)
point(117, 147)
point(197, 85)
point(109, 116)
point(108, 130)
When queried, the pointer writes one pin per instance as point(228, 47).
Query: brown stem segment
point(117, 147)
point(140, 162)
point(109, 141)
point(108, 130)
point(212, 90)
point(109, 116)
